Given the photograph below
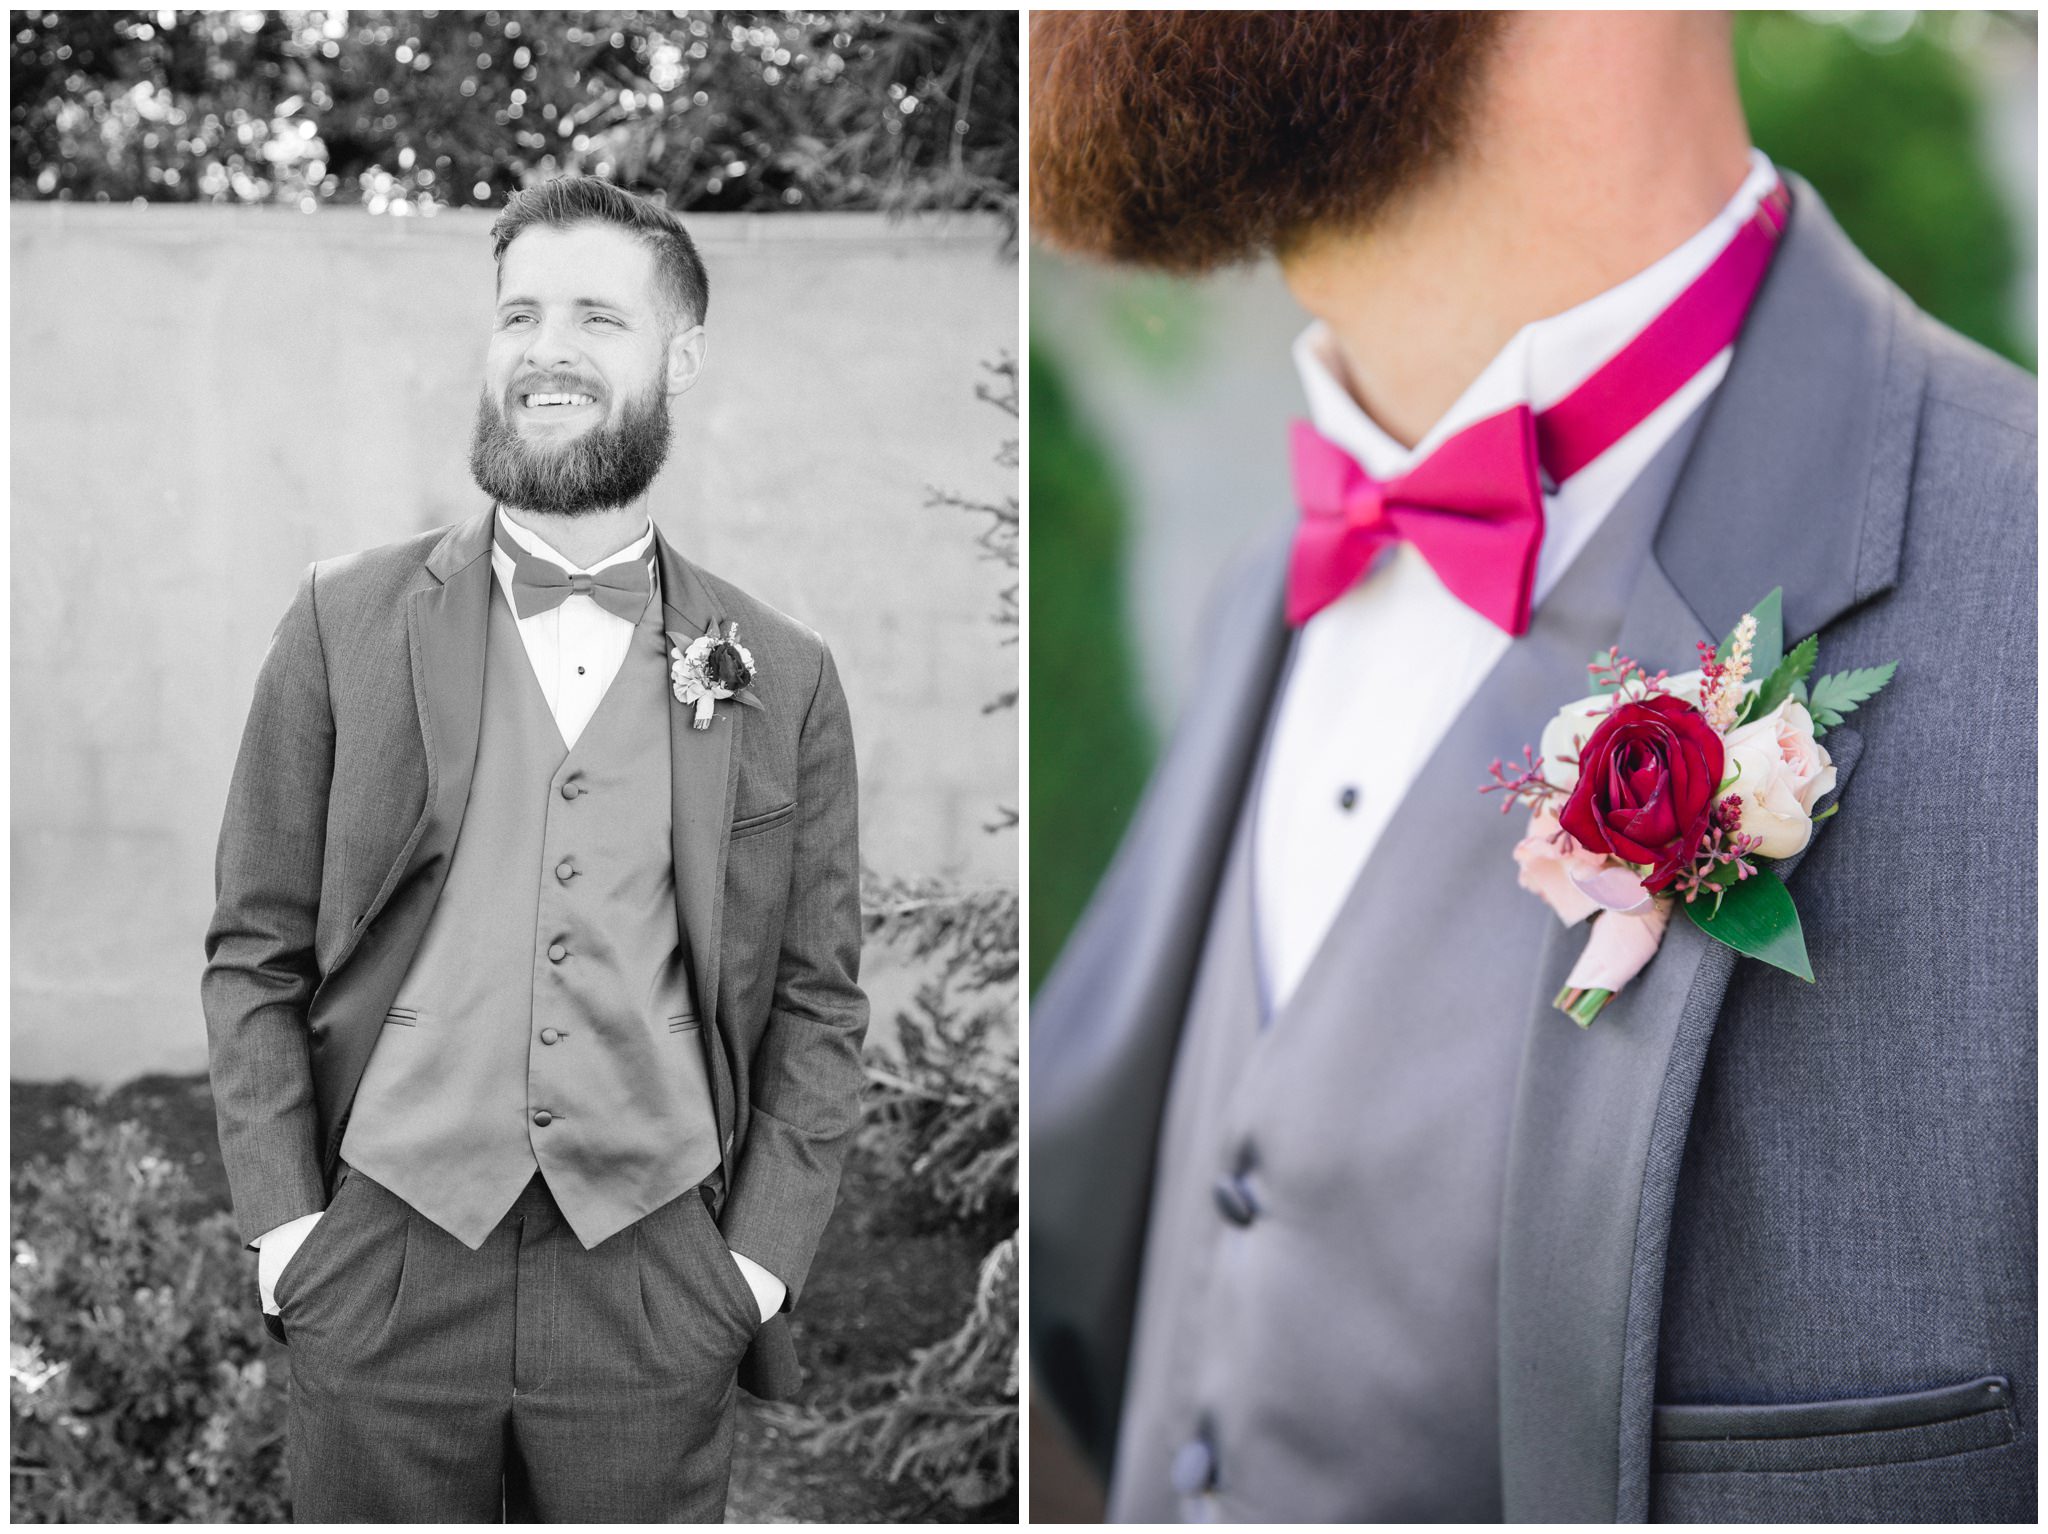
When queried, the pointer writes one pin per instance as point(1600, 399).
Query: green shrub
point(940, 1130)
point(940, 1119)
point(947, 1420)
point(137, 1379)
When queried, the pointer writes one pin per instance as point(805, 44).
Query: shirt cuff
point(289, 1228)
point(284, 1242)
point(768, 1289)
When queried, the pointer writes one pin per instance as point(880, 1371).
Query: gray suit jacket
point(1768, 1248)
point(342, 817)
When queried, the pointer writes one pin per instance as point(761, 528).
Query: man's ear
point(685, 359)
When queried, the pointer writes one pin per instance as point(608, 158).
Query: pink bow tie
point(1474, 507)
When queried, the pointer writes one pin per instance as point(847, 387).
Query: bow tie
point(539, 585)
point(1474, 507)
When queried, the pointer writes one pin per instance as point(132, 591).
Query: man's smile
point(541, 408)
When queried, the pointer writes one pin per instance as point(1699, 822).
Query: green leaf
point(1839, 694)
point(1757, 917)
point(1778, 685)
point(1768, 648)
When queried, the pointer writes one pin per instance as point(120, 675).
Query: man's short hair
point(566, 201)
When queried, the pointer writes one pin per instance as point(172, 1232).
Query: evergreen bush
point(137, 1379)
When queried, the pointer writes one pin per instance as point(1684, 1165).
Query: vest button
point(571, 789)
point(1234, 1199)
point(548, 1035)
point(542, 1117)
point(565, 870)
point(557, 953)
point(1193, 1473)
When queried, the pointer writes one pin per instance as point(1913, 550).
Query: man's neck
point(1597, 143)
point(585, 537)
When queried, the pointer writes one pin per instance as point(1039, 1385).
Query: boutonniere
point(1661, 793)
point(710, 668)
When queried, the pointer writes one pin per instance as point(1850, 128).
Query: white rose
point(1575, 723)
point(1781, 771)
point(1562, 737)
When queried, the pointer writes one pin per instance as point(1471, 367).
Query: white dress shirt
point(1378, 676)
point(576, 649)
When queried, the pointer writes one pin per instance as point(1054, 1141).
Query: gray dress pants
point(527, 1381)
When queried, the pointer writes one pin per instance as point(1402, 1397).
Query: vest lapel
point(703, 779)
point(1799, 477)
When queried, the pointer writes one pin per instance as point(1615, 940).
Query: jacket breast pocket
point(1835, 1435)
point(767, 820)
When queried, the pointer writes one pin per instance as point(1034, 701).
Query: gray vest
point(547, 1019)
point(1317, 1334)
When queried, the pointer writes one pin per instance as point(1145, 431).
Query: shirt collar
point(1544, 360)
point(536, 545)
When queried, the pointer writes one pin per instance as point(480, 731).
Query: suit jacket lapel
point(703, 779)
point(1799, 477)
point(1112, 1009)
point(445, 620)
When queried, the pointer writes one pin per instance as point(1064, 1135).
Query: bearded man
point(532, 988)
point(1334, 1215)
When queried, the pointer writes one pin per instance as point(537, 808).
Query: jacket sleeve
point(807, 1074)
point(261, 968)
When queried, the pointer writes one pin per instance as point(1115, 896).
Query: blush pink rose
point(1781, 772)
point(1620, 944)
point(1546, 860)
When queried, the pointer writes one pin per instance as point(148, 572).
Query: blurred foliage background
point(407, 112)
point(1885, 113)
point(1913, 126)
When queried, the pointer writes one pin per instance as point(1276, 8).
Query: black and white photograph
point(515, 528)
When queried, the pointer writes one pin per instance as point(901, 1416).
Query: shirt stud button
point(570, 790)
point(542, 1117)
point(1347, 797)
point(565, 870)
point(557, 953)
point(548, 1035)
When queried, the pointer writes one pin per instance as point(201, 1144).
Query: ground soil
point(876, 1292)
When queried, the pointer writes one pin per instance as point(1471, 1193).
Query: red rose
point(1646, 787)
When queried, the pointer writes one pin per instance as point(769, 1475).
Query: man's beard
point(611, 464)
point(1190, 139)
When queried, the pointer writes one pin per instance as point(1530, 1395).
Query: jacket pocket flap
point(749, 824)
point(1836, 1435)
point(1804, 1419)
